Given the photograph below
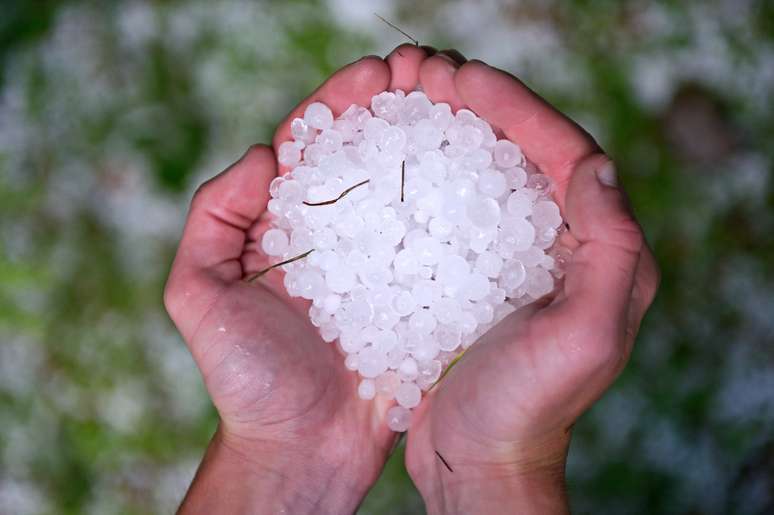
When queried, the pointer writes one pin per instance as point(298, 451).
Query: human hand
point(293, 434)
point(501, 418)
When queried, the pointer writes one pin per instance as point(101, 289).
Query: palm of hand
point(272, 378)
point(510, 401)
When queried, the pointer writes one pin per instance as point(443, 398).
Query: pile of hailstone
point(425, 231)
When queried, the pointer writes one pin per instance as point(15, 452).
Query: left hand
point(293, 434)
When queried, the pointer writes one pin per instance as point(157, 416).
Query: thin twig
point(402, 179)
point(413, 40)
point(444, 461)
point(258, 274)
point(399, 440)
point(333, 201)
point(451, 364)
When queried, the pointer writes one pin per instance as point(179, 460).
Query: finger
point(429, 50)
point(600, 277)
point(549, 139)
point(455, 55)
point(404, 63)
point(356, 83)
point(222, 211)
point(436, 75)
point(646, 281)
point(254, 260)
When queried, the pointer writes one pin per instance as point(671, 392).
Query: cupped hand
point(501, 418)
point(288, 406)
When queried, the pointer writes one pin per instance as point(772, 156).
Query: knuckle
point(171, 297)
point(627, 234)
point(176, 294)
point(655, 284)
point(258, 154)
point(256, 150)
point(405, 46)
point(602, 344)
point(605, 353)
point(652, 279)
point(202, 191)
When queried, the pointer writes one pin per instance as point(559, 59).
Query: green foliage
point(112, 112)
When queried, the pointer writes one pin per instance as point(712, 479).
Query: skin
point(293, 434)
point(502, 417)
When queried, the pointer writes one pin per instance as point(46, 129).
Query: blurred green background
point(112, 112)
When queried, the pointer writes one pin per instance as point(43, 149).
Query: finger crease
point(231, 218)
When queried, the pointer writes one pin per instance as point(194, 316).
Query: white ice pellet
point(274, 242)
point(351, 362)
point(387, 384)
point(302, 131)
point(489, 264)
point(318, 116)
point(492, 183)
point(425, 231)
point(426, 349)
point(288, 154)
point(507, 154)
point(398, 419)
point(408, 369)
point(546, 214)
point(408, 395)
point(430, 371)
point(366, 389)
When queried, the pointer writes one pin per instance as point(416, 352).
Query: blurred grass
point(111, 113)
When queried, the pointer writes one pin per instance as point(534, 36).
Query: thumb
point(209, 256)
point(601, 274)
point(597, 208)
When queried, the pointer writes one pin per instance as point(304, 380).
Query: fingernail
point(607, 175)
point(448, 59)
point(429, 50)
point(454, 54)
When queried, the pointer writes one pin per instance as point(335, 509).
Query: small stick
point(444, 461)
point(398, 441)
point(415, 41)
point(402, 179)
point(333, 201)
point(258, 274)
point(451, 364)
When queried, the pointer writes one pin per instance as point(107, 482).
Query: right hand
point(502, 416)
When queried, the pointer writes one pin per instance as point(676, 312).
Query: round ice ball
point(398, 419)
point(318, 116)
point(366, 389)
point(425, 231)
point(507, 154)
point(408, 395)
point(274, 242)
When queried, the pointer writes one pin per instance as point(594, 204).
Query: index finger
point(548, 138)
point(208, 258)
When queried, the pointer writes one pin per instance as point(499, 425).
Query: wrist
point(541, 493)
point(237, 476)
point(506, 481)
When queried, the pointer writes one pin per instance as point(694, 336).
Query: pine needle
point(402, 179)
point(260, 273)
point(413, 40)
point(444, 461)
point(343, 193)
